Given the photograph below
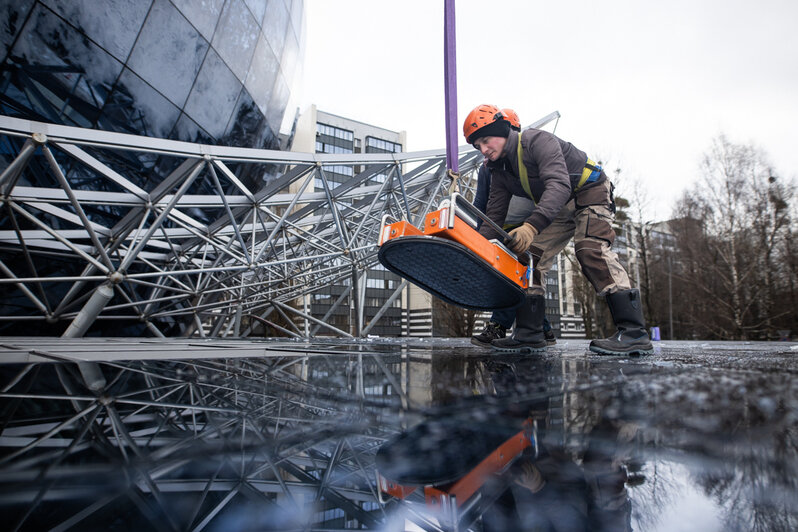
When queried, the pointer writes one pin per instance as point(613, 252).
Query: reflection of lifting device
point(465, 490)
point(448, 258)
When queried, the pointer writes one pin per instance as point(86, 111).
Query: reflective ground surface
point(395, 435)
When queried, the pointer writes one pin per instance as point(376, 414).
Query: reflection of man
point(580, 488)
point(547, 487)
point(605, 473)
point(552, 492)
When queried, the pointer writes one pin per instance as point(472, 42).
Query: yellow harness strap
point(522, 172)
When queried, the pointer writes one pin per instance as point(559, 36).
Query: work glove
point(521, 238)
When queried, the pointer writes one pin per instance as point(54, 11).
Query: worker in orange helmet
point(573, 198)
point(501, 320)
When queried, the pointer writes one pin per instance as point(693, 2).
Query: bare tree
point(732, 240)
point(452, 321)
point(642, 228)
point(771, 218)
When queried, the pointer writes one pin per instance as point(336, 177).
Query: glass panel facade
point(297, 21)
point(258, 8)
point(112, 24)
point(136, 66)
point(260, 80)
point(278, 102)
point(215, 83)
point(168, 53)
point(186, 128)
point(289, 62)
point(139, 105)
point(202, 14)
point(249, 125)
point(275, 25)
point(147, 67)
point(13, 15)
point(47, 40)
point(236, 37)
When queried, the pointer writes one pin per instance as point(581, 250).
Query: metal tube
point(76, 205)
point(357, 297)
point(13, 170)
point(229, 212)
point(58, 237)
point(385, 306)
point(237, 326)
point(30, 295)
point(334, 306)
point(90, 371)
point(101, 296)
point(279, 305)
point(156, 224)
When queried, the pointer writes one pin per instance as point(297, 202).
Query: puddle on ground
point(421, 436)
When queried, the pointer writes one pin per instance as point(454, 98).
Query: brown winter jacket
point(554, 167)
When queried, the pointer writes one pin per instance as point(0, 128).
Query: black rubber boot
point(493, 331)
point(632, 337)
point(549, 333)
point(528, 335)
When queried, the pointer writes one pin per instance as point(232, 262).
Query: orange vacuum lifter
point(464, 497)
point(448, 258)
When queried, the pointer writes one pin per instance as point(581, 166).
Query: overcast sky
point(644, 86)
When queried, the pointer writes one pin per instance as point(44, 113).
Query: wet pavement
point(427, 434)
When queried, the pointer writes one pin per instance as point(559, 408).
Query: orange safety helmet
point(479, 117)
point(512, 117)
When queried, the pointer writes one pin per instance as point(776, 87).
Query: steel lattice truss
point(185, 239)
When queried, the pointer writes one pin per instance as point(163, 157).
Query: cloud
point(652, 83)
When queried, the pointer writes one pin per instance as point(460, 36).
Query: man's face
point(491, 147)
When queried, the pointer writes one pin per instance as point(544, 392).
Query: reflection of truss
point(282, 441)
point(218, 434)
point(188, 238)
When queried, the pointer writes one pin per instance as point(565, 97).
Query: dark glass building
point(211, 71)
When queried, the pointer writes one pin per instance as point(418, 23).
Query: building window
point(335, 132)
point(375, 145)
point(331, 139)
